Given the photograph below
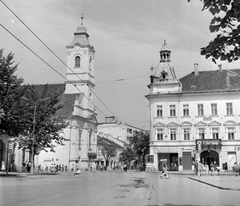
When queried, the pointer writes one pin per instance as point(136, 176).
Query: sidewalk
point(223, 181)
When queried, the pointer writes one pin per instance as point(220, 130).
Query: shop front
point(172, 161)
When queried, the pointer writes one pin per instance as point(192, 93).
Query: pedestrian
point(235, 169)
point(23, 167)
point(195, 167)
point(74, 170)
point(101, 166)
point(226, 167)
point(200, 168)
point(206, 168)
point(28, 167)
point(165, 170)
point(216, 168)
point(3, 166)
point(125, 168)
point(211, 168)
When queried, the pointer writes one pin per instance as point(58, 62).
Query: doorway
point(209, 156)
point(1, 151)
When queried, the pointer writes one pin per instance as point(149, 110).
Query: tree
point(225, 22)
point(10, 97)
point(127, 155)
point(42, 125)
point(108, 152)
point(140, 145)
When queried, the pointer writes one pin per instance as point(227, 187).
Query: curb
point(206, 183)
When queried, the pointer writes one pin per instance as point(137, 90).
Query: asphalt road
point(111, 189)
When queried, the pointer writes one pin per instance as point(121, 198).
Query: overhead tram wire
point(122, 79)
point(55, 55)
point(49, 66)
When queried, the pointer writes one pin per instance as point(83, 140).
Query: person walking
point(200, 168)
point(235, 169)
point(211, 168)
point(206, 168)
point(3, 167)
point(165, 170)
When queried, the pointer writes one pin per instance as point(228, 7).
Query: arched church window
point(77, 61)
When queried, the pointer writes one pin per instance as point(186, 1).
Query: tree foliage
point(225, 23)
point(127, 155)
point(109, 152)
point(10, 97)
point(140, 145)
point(40, 119)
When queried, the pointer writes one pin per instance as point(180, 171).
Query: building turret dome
point(165, 46)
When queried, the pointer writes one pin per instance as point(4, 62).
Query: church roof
point(211, 81)
point(66, 100)
point(80, 38)
point(165, 46)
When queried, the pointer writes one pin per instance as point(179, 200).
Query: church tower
point(163, 78)
point(80, 67)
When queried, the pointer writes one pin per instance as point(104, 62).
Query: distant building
point(103, 142)
point(117, 130)
point(195, 118)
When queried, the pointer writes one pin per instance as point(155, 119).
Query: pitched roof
point(66, 100)
point(106, 142)
point(211, 81)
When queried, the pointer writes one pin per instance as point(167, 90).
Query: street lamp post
point(34, 127)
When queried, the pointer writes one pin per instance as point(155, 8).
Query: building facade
point(78, 112)
point(195, 118)
point(78, 109)
point(116, 129)
point(113, 162)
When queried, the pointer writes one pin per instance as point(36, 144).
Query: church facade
point(78, 110)
point(195, 118)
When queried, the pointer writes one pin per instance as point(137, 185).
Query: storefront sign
point(164, 150)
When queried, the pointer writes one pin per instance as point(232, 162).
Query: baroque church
point(195, 118)
point(78, 111)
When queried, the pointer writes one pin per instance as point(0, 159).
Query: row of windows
point(201, 133)
point(200, 110)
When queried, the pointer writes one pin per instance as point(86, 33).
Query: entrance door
point(1, 151)
point(187, 161)
point(231, 159)
point(209, 156)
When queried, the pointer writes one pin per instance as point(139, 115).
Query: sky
point(127, 36)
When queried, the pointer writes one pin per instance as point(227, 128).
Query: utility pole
point(34, 128)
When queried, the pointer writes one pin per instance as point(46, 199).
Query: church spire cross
point(82, 19)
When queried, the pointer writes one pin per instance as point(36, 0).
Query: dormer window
point(77, 61)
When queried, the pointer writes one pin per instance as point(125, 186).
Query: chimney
point(220, 67)
point(195, 68)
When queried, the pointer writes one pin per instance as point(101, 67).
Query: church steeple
point(165, 53)
point(163, 78)
point(80, 70)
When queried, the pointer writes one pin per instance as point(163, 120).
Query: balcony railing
point(202, 144)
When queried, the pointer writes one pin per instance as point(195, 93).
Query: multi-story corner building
point(116, 129)
point(193, 118)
